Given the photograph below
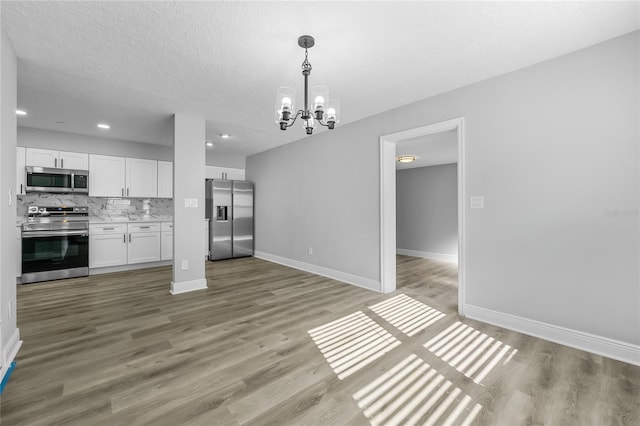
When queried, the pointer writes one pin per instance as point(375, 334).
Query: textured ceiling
point(133, 64)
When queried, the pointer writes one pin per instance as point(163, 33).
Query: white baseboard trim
point(598, 345)
point(356, 280)
point(429, 255)
point(121, 268)
point(9, 353)
point(187, 286)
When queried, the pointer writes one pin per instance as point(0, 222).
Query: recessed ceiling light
point(103, 126)
point(210, 144)
point(225, 136)
point(406, 158)
point(21, 112)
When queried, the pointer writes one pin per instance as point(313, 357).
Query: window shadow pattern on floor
point(470, 351)
point(352, 342)
point(412, 393)
point(407, 314)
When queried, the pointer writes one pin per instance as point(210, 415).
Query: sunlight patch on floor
point(470, 351)
point(413, 393)
point(352, 342)
point(407, 314)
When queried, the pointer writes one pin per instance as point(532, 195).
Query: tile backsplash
point(99, 207)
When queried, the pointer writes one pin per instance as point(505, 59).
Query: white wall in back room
point(427, 212)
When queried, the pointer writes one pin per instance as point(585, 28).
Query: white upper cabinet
point(42, 157)
point(56, 159)
point(107, 176)
point(230, 173)
point(165, 179)
point(21, 175)
point(142, 178)
point(73, 160)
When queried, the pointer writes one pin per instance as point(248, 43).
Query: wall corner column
point(188, 204)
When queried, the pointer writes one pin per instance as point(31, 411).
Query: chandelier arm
point(321, 123)
point(294, 118)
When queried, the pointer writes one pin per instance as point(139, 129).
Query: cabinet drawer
point(143, 227)
point(107, 228)
point(167, 226)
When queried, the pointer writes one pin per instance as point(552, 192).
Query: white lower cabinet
point(123, 244)
point(107, 245)
point(166, 243)
point(144, 242)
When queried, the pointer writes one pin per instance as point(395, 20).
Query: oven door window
point(53, 253)
point(48, 180)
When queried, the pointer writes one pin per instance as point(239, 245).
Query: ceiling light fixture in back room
point(325, 111)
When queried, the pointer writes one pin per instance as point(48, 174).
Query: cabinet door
point(21, 175)
point(234, 174)
point(107, 250)
point(106, 176)
point(166, 246)
point(73, 160)
point(165, 179)
point(42, 158)
point(214, 172)
point(144, 247)
point(142, 178)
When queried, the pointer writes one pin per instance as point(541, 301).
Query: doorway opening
point(389, 147)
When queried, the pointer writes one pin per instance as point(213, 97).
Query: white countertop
point(127, 219)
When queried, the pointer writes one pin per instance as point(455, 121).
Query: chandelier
point(323, 111)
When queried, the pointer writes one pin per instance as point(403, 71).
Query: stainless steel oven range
point(55, 243)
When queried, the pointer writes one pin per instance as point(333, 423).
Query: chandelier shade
point(317, 109)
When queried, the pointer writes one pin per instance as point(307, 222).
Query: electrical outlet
point(185, 265)
point(10, 309)
point(310, 251)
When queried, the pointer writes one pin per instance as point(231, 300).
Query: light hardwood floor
point(269, 345)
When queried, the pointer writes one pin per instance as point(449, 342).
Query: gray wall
point(8, 243)
point(427, 209)
point(63, 141)
point(554, 150)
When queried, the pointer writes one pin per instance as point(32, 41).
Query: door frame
point(388, 202)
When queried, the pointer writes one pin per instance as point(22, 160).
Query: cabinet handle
point(62, 163)
point(123, 192)
point(129, 237)
point(124, 238)
point(145, 227)
point(127, 192)
point(108, 229)
point(20, 188)
point(55, 162)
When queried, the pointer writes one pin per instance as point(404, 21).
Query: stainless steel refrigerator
point(230, 212)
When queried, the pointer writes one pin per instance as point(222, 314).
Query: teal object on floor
point(6, 376)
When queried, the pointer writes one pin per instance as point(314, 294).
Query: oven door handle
point(39, 234)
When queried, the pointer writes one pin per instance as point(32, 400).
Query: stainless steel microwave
point(45, 179)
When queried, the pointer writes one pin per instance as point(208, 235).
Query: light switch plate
point(476, 202)
point(191, 203)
